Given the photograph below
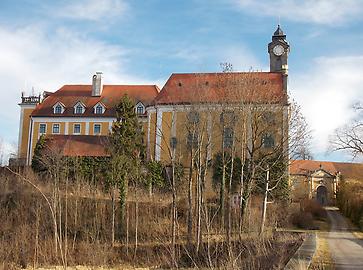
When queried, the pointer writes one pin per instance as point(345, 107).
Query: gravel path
point(345, 248)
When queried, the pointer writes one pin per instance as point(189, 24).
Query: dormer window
point(140, 108)
point(79, 108)
point(58, 108)
point(99, 108)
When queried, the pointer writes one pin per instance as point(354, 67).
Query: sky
point(46, 44)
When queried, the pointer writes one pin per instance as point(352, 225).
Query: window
point(58, 109)
point(42, 128)
point(79, 109)
point(228, 137)
point(268, 141)
point(192, 140)
point(97, 129)
point(77, 129)
point(228, 118)
point(193, 117)
point(56, 129)
point(173, 142)
point(269, 118)
point(99, 109)
point(140, 110)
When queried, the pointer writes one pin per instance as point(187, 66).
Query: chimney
point(97, 84)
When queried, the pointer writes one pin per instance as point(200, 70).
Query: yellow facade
point(247, 127)
point(25, 125)
point(152, 135)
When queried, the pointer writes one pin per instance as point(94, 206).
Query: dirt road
point(345, 248)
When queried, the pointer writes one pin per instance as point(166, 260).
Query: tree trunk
point(199, 201)
point(264, 205)
point(136, 221)
point(221, 194)
point(66, 225)
point(229, 232)
point(113, 216)
point(190, 199)
point(174, 214)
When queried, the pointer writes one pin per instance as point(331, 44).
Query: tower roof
point(279, 31)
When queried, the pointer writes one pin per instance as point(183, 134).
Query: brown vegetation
point(310, 211)
point(350, 201)
point(84, 231)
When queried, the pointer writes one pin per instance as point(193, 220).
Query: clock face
point(278, 50)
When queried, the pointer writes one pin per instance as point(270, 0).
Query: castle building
point(219, 110)
point(84, 111)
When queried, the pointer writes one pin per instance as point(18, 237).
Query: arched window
point(192, 140)
point(58, 109)
point(228, 118)
point(139, 110)
point(79, 109)
point(193, 117)
point(228, 137)
point(268, 141)
point(99, 109)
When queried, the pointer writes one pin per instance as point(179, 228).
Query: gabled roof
point(58, 103)
point(347, 170)
point(77, 145)
point(231, 87)
point(99, 103)
point(79, 102)
point(111, 95)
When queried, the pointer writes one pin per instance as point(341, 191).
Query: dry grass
point(26, 231)
point(322, 259)
point(310, 216)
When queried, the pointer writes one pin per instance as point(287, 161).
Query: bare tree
point(349, 138)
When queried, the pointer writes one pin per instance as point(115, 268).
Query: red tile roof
point(247, 87)
point(77, 145)
point(347, 170)
point(69, 95)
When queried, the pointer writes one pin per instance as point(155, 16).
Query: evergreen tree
point(37, 163)
point(125, 146)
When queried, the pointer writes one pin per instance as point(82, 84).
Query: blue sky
point(45, 44)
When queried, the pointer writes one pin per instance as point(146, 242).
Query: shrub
point(350, 201)
point(313, 207)
point(302, 220)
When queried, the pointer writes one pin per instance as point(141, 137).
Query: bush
point(350, 201)
point(313, 207)
point(302, 220)
point(309, 210)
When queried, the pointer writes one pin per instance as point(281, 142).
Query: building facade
point(77, 110)
point(319, 180)
point(217, 111)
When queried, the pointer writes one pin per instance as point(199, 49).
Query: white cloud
point(327, 93)
point(7, 150)
point(329, 12)
point(31, 57)
point(92, 10)
point(240, 56)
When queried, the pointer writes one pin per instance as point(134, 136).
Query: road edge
point(304, 254)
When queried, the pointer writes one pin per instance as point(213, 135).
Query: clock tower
point(279, 50)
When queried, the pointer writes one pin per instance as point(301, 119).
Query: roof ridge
point(220, 72)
